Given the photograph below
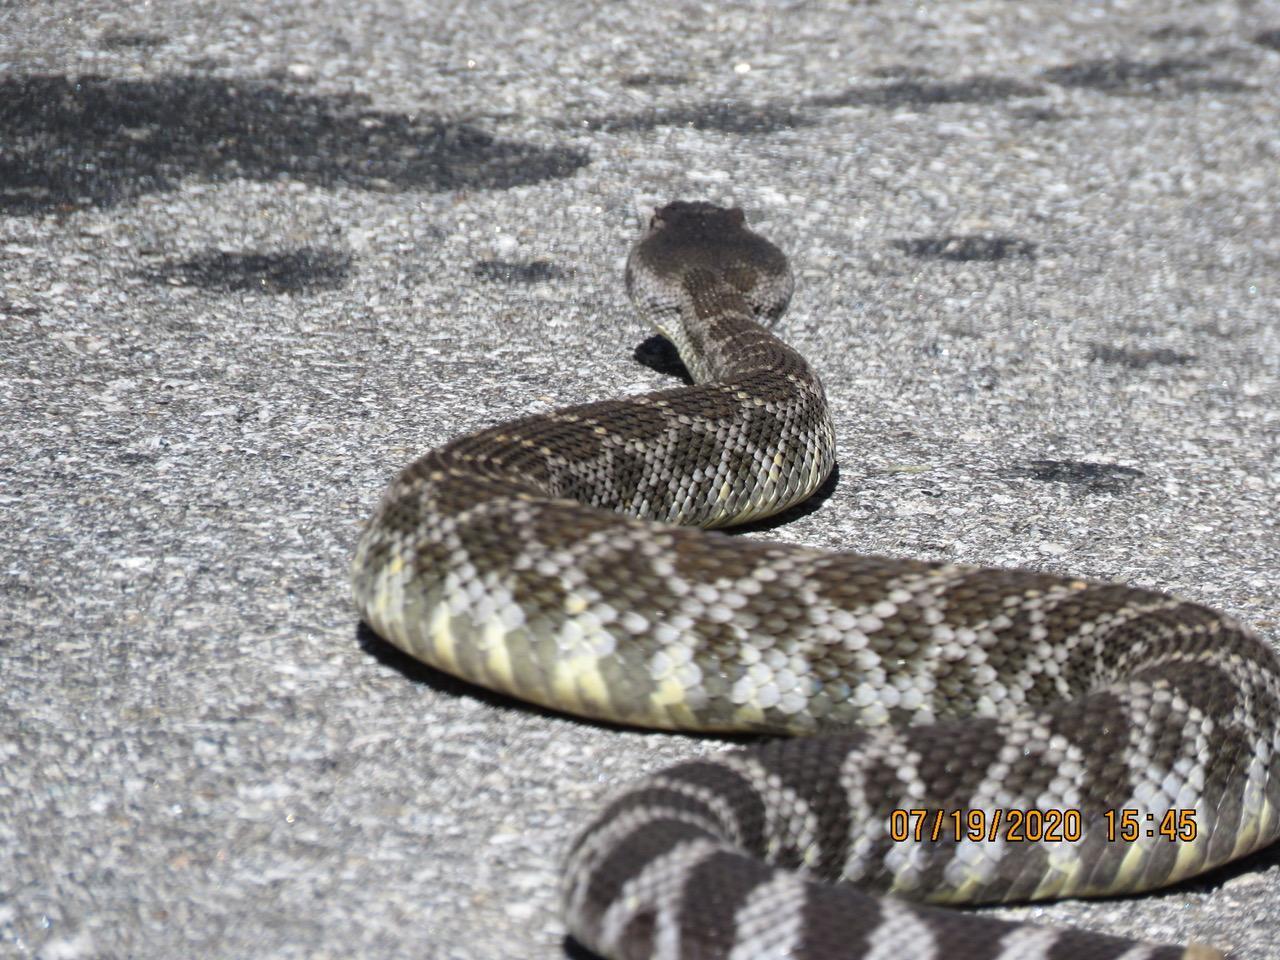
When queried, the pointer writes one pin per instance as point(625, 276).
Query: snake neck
point(749, 386)
point(719, 339)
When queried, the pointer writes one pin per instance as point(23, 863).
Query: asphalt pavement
point(257, 256)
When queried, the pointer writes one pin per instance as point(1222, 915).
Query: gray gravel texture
point(256, 256)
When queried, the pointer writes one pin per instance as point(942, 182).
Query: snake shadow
point(660, 355)
point(573, 950)
point(1255, 864)
point(802, 509)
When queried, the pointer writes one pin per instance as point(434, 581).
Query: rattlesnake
point(540, 558)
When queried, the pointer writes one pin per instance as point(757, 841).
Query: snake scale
point(552, 558)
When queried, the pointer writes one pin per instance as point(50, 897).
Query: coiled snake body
point(541, 558)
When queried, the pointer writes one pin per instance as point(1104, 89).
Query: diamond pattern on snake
point(564, 558)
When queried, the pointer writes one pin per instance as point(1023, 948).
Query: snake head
point(687, 244)
point(697, 215)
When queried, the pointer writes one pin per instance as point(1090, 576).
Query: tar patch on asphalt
point(290, 271)
point(967, 248)
point(1138, 359)
point(1099, 477)
point(90, 141)
point(517, 271)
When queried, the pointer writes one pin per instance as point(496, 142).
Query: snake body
point(553, 558)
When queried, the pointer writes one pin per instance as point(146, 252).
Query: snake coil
point(553, 558)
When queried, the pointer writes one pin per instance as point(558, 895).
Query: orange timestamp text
point(1065, 825)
